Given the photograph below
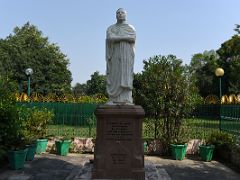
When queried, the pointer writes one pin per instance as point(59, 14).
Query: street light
point(219, 72)
point(29, 72)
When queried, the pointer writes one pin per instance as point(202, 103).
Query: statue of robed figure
point(120, 55)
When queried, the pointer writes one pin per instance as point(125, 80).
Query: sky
point(179, 27)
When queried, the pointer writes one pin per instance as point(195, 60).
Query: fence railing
point(211, 112)
point(216, 116)
point(227, 115)
point(75, 114)
point(230, 119)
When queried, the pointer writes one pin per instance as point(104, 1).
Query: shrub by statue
point(40, 118)
point(10, 133)
point(223, 143)
point(11, 128)
point(19, 126)
point(167, 93)
point(34, 122)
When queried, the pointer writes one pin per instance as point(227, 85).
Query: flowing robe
point(120, 60)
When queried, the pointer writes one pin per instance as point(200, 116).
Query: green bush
point(236, 155)
point(167, 93)
point(37, 123)
point(19, 125)
point(91, 124)
point(149, 125)
point(10, 127)
point(221, 139)
point(34, 123)
point(223, 145)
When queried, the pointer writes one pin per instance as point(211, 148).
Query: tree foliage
point(229, 53)
point(96, 85)
point(79, 90)
point(167, 95)
point(10, 126)
point(203, 67)
point(204, 64)
point(27, 47)
point(237, 28)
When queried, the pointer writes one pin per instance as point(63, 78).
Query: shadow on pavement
point(53, 167)
point(193, 167)
point(44, 168)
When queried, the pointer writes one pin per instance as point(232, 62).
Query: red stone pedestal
point(119, 149)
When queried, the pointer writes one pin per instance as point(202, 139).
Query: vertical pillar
point(119, 146)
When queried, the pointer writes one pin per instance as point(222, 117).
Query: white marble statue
point(120, 54)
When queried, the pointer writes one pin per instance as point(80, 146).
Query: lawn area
point(196, 128)
point(71, 131)
point(199, 128)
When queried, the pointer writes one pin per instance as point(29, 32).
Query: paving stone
point(19, 177)
point(77, 167)
point(162, 174)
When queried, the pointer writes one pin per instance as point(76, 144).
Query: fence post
point(220, 117)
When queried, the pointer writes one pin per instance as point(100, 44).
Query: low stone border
point(152, 147)
point(235, 155)
point(78, 145)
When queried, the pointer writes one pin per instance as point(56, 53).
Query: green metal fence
point(230, 119)
point(75, 114)
point(77, 118)
point(225, 117)
point(211, 112)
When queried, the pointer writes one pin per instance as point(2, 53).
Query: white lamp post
point(219, 72)
point(29, 72)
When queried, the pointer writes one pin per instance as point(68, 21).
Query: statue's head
point(121, 14)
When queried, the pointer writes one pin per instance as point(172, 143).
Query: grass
point(71, 131)
point(196, 129)
point(203, 123)
point(201, 128)
point(207, 126)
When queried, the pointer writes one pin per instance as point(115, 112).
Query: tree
point(79, 89)
point(237, 29)
point(5, 61)
point(227, 57)
point(10, 126)
point(229, 60)
point(203, 66)
point(27, 47)
point(97, 84)
point(167, 95)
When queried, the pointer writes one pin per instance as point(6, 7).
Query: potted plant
point(206, 151)
point(11, 126)
point(42, 117)
point(34, 126)
point(41, 145)
point(218, 145)
point(178, 151)
point(17, 154)
point(17, 158)
point(31, 146)
point(16, 140)
point(180, 142)
point(31, 151)
point(26, 116)
point(62, 146)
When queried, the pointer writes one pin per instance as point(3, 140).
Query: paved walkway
point(77, 167)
